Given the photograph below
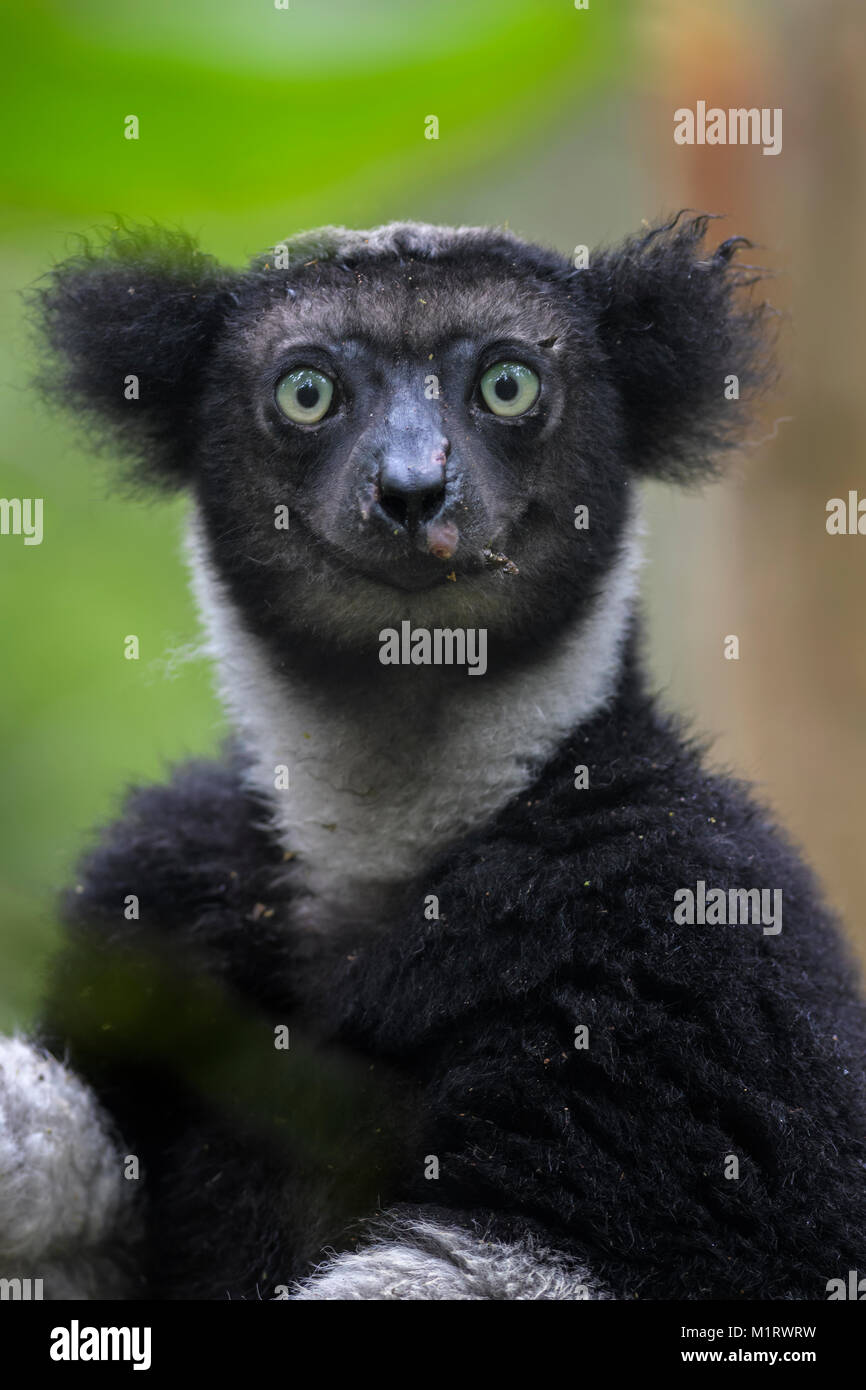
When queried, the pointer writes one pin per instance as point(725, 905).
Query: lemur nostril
point(429, 503)
point(395, 509)
point(410, 507)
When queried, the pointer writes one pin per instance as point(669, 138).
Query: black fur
point(671, 322)
point(706, 1041)
point(141, 302)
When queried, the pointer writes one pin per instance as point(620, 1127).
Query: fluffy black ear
point(128, 323)
point(677, 323)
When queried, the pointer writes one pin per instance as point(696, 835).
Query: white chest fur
point(375, 797)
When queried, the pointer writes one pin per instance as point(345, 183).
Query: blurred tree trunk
point(756, 554)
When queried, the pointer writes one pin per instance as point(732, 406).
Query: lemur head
point(399, 424)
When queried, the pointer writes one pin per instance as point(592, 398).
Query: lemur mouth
point(424, 565)
point(407, 582)
point(410, 576)
point(435, 557)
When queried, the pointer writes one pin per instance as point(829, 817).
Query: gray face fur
point(403, 494)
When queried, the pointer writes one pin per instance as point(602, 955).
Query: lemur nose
point(412, 491)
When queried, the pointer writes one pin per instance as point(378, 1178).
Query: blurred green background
point(257, 122)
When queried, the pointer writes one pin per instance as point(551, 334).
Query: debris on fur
point(496, 560)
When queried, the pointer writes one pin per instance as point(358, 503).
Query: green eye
point(304, 395)
point(509, 388)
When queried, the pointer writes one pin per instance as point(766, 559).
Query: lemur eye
point(304, 395)
point(509, 388)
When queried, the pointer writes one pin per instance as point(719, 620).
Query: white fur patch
point(63, 1197)
point(374, 799)
point(416, 1260)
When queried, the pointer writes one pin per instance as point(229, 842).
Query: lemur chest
point(369, 780)
point(363, 815)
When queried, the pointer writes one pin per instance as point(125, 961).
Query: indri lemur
point(398, 999)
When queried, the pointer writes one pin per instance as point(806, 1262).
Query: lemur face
point(400, 424)
point(430, 436)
